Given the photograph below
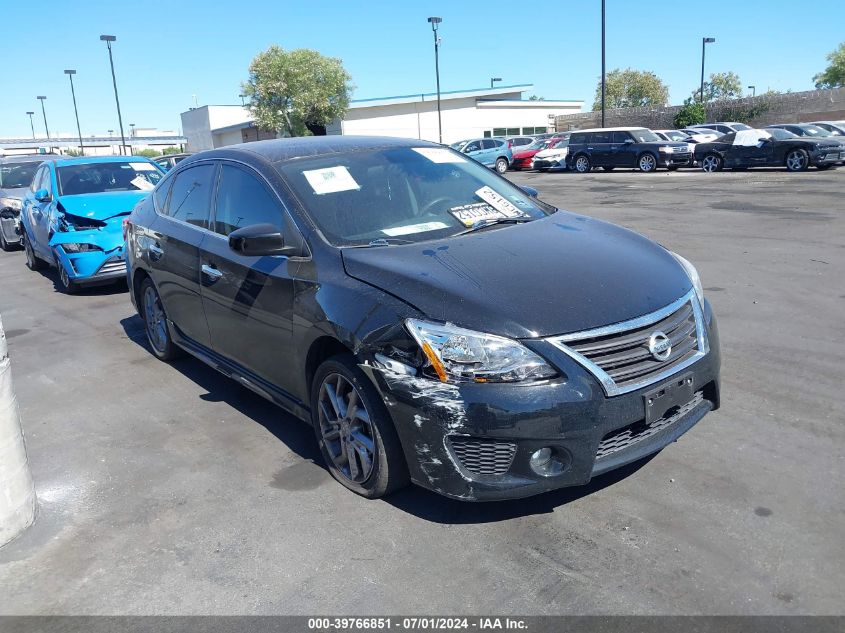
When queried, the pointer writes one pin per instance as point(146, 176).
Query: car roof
point(611, 129)
point(63, 161)
point(26, 158)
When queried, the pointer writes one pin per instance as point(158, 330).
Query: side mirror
point(258, 240)
point(42, 195)
point(531, 191)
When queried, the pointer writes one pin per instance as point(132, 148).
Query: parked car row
point(349, 280)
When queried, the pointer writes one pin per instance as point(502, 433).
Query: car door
point(174, 249)
point(490, 151)
point(248, 300)
point(619, 153)
point(39, 215)
point(599, 149)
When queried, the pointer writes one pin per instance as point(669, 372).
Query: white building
point(499, 111)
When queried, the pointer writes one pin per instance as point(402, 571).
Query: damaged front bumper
point(481, 442)
point(90, 257)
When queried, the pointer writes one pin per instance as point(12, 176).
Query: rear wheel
point(354, 430)
point(582, 164)
point(501, 165)
point(647, 163)
point(33, 262)
point(797, 160)
point(712, 162)
point(155, 323)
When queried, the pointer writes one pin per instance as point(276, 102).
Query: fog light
point(548, 461)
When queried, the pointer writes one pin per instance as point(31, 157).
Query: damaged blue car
point(72, 216)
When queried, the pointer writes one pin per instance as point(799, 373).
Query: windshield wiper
point(387, 241)
point(483, 224)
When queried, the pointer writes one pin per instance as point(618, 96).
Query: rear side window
point(243, 200)
point(488, 144)
point(578, 138)
point(190, 200)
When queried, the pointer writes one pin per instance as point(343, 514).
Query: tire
point(647, 163)
point(67, 285)
point(712, 162)
point(501, 165)
point(377, 466)
point(609, 167)
point(582, 164)
point(33, 262)
point(4, 245)
point(797, 160)
point(155, 323)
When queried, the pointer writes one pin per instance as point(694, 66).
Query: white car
point(552, 158)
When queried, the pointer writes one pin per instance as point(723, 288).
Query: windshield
point(740, 126)
point(780, 134)
point(645, 136)
point(17, 175)
point(108, 176)
point(540, 143)
point(563, 142)
point(405, 194)
point(815, 130)
point(675, 135)
point(457, 145)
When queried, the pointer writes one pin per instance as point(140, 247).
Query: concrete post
point(17, 493)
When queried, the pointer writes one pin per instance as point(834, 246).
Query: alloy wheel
point(711, 163)
point(582, 164)
point(647, 163)
point(346, 428)
point(795, 160)
point(154, 320)
point(501, 165)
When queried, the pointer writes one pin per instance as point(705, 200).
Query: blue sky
point(168, 51)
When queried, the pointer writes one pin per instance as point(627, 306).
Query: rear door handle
point(211, 272)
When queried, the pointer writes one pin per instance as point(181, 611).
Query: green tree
point(691, 113)
point(834, 75)
point(720, 86)
point(170, 150)
point(149, 153)
point(296, 91)
point(631, 88)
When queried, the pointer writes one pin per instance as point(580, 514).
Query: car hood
point(560, 274)
point(102, 206)
point(557, 151)
point(525, 153)
point(13, 193)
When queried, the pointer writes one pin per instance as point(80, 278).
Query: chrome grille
point(619, 355)
point(112, 265)
point(633, 433)
point(483, 457)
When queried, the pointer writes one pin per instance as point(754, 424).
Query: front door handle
point(155, 249)
point(211, 272)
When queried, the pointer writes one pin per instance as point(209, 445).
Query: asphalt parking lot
point(168, 489)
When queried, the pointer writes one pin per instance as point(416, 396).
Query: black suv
point(625, 147)
point(394, 293)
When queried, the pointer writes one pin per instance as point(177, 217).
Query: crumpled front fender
point(81, 265)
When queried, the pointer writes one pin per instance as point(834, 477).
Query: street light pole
point(704, 42)
point(70, 74)
point(31, 124)
point(44, 114)
point(603, 77)
point(753, 90)
point(435, 22)
point(108, 39)
point(493, 79)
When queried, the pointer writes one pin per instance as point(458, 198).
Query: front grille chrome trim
point(608, 384)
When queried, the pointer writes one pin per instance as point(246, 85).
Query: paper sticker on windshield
point(469, 214)
point(142, 183)
point(499, 202)
point(142, 166)
point(414, 228)
point(439, 155)
point(750, 138)
point(330, 180)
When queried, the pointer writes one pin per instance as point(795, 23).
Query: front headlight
point(692, 273)
point(668, 149)
point(80, 248)
point(458, 354)
point(10, 203)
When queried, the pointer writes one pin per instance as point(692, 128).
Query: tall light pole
point(435, 23)
point(603, 77)
point(108, 39)
point(494, 79)
point(704, 42)
point(242, 99)
point(753, 90)
point(44, 114)
point(31, 124)
point(70, 74)
point(131, 130)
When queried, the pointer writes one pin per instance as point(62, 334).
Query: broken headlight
point(80, 248)
point(458, 354)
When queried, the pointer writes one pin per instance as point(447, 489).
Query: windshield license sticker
point(499, 202)
point(142, 166)
point(469, 214)
point(414, 228)
point(439, 155)
point(142, 183)
point(330, 180)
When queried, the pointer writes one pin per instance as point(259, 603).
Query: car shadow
point(113, 288)
point(299, 437)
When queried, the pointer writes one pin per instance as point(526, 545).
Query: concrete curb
point(17, 492)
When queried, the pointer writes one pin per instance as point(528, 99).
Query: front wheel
point(797, 160)
point(711, 163)
point(32, 260)
point(68, 286)
point(501, 165)
point(4, 245)
point(354, 430)
point(155, 323)
point(647, 163)
point(582, 164)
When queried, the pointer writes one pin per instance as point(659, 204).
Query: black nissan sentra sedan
point(434, 322)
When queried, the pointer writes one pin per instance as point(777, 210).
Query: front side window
point(37, 179)
point(620, 137)
point(190, 199)
point(242, 200)
point(407, 194)
point(17, 175)
point(473, 146)
point(82, 178)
